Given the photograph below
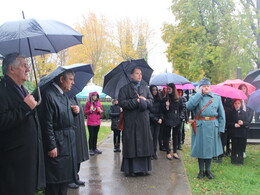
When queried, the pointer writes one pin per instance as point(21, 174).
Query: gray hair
point(11, 60)
point(64, 75)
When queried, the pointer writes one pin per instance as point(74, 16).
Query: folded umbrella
point(254, 101)
point(227, 91)
point(83, 73)
point(120, 76)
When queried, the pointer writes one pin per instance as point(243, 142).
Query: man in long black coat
point(57, 121)
point(135, 99)
point(21, 155)
point(81, 140)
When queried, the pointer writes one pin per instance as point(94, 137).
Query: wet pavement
point(102, 176)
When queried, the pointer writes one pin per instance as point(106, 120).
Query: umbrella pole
point(38, 88)
point(34, 72)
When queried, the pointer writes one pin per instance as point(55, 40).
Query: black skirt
point(136, 165)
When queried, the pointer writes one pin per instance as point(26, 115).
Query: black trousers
point(155, 130)
point(161, 136)
point(181, 136)
point(116, 137)
point(167, 135)
point(238, 147)
point(56, 189)
point(93, 135)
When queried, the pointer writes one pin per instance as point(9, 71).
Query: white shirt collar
point(57, 86)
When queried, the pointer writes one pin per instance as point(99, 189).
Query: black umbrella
point(250, 77)
point(83, 73)
point(120, 76)
point(32, 37)
point(253, 77)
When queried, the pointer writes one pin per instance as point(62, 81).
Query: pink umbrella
point(227, 91)
point(185, 86)
point(237, 82)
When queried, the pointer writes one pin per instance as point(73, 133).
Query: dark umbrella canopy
point(253, 77)
point(250, 77)
point(83, 73)
point(254, 101)
point(120, 76)
point(166, 78)
point(36, 36)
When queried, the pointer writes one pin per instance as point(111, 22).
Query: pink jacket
point(93, 116)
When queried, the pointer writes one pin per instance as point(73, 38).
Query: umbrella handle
point(39, 95)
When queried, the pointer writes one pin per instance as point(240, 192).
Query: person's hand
point(30, 101)
point(159, 121)
point(53, 153)
point(75, 109)
point(237, 125)
point(199, 90)
point(142, 97)
point(191, 121)
point(98, 109)
point(240, 122)
point(121, 109)
point(138, 100)
point(91, 108)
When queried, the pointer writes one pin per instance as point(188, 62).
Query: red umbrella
point(227, 91)
point(237, 82)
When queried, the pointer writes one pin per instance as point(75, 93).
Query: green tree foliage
point(206, 40)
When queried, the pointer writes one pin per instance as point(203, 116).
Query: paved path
point(102, 175)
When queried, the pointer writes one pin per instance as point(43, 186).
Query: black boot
point(209, 175)
point(200, 175)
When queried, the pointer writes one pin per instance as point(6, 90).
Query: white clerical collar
point(57, 86)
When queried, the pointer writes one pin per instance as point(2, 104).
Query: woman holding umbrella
point(135, 99)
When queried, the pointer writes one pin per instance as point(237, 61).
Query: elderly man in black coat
point(81, 140)
point(57, 122)
point(21, 155)
point(135, 99)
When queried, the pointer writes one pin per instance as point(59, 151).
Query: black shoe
point(200, 175)
point(130, 175)
point(80, 183)
point(219, 160)
point(209, 175)
point(179, 148)
point(115, 149)
point(155, 157)
point(163, 149)
point(118, 150)
point(73, 186)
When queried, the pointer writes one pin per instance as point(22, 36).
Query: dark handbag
point(120, 125)
point(194, 123)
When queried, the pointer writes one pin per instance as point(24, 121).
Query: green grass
point(229, 178)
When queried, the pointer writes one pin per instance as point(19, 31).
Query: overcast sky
point(156, 12)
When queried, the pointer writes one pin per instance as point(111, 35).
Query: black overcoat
point(114, 114)
point(21, 153)
point(232, 118)
point(137, 138)
point(80, 131)
point(57, 122)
